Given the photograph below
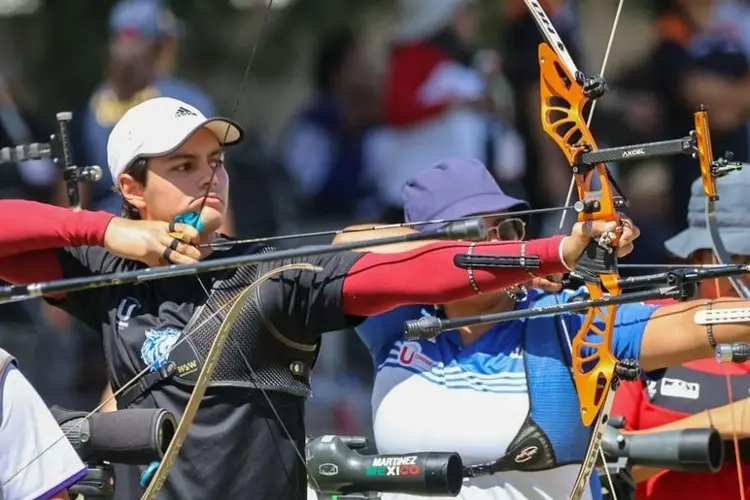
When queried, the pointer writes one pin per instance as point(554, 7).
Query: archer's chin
point(212, 219)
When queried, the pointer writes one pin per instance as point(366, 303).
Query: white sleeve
point(30, 435)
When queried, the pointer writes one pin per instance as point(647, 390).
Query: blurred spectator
point(324, 149)
point(34, 179)
point(738, 12)
point(547, 173)
point(437, 103)
point(700, 59)
point(141, 52)
point(326, 153)
point(648, 187)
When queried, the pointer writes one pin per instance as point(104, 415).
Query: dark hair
point(332, 53)
point(137, 170)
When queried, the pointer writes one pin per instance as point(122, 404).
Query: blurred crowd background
point(345, 100)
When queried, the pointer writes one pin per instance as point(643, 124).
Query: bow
point(565, 92)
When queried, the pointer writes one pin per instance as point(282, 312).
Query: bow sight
point(693, 144)
point(60, 151)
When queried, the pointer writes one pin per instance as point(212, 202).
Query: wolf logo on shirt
point(157, 346)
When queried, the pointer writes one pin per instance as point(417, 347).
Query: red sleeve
point(377, 283)
point(31, 267)
point(28, 226)
point(628, 400)
point(410, 67)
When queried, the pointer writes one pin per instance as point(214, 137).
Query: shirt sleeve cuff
point(89, 228)
point(560, 253)
point(549, 251)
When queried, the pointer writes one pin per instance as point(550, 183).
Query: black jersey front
point(236, 447)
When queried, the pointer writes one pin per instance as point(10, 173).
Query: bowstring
point(607, 52)
point(251, 370)
point(730, 397)
point(237, 100)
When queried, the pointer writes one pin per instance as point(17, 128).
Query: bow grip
point(596, 260)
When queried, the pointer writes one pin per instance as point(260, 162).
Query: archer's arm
point(352, 285)
point(671, 337)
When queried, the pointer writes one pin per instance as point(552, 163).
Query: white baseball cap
point(159, 126)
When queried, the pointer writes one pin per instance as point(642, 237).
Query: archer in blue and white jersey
point(505, 392)
point(442, 395)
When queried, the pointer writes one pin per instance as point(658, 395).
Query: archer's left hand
point(585, 232)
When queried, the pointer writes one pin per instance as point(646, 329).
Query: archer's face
point(177, 183)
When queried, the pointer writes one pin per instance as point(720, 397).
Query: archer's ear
point(132, 191)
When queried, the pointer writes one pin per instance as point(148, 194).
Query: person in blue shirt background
point(504, 391)
point(141, 52)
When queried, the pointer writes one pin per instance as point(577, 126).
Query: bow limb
point(204, 377)
point(712, 169)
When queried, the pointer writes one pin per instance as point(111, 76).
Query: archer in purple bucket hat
point(453, 188)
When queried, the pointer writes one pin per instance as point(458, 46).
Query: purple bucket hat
point(451, 189)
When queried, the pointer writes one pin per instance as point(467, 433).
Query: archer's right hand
point(150, 242)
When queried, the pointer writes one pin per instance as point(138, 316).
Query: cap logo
point(184, 112)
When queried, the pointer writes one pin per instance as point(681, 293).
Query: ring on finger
point(171, 248)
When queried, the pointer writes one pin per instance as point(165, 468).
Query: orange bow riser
point(563, 100)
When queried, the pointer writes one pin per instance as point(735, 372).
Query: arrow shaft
point(16, 293)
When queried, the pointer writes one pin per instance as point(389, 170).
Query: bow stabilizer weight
point(60, 151)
